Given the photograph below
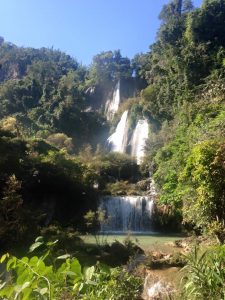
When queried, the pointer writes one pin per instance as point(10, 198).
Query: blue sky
point(82, 28)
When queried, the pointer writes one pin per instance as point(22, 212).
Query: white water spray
point(127, 213)
point(138, 141)
point(112, 105)
point(118, 140)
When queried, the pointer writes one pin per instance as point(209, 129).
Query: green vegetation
point(185, 103)
point(62, 277)
point(54, 165)
point(204, 274)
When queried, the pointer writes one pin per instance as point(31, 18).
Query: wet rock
point(157, 260)
point(135, 262)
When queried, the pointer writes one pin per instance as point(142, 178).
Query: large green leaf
point(35, 246)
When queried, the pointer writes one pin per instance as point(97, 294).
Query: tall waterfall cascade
point(112, 105)
point(118, 140)
point(138, 141)
point(127, 213)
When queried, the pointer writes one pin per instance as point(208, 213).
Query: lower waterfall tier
point(127, 213)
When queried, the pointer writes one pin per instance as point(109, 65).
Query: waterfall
point(138, 140)
point(127, 213)
point(118, 140)
point(112, 105)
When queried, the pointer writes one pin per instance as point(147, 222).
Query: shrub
point(16, 221)
point(46, 277)
point(205, 274)
point(61, 141)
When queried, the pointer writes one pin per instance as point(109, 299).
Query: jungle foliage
point(185, 96)
point(42, 275)
point(53, 130)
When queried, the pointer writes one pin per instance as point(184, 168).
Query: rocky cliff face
point(101, 94)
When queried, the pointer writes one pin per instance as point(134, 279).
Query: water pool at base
point(145, 241)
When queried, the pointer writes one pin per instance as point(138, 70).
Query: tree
point(109, 66)
point(207, 24)
point(204, 197)
point(187, 6)
point(175, 9)
point(13, 222)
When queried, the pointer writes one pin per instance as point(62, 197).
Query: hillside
point(150, 130)
point(53, 110)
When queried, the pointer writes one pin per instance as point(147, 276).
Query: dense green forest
point(53, 131)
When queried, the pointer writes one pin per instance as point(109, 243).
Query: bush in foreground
point(47, 277)
point(205, 274)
